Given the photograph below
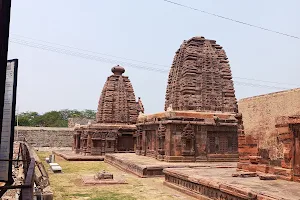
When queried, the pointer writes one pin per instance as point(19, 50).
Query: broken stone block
point(104, 175)
point(254, 159)
point(267, 177)
point(244, 174)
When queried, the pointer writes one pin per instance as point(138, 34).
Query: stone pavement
point(144, 166)
point(71, 156)
point(219, 183)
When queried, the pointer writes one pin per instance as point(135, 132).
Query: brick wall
point(45, 136)
point(260, 113)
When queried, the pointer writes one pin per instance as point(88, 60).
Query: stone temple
point(201, 120)
point(116, 118)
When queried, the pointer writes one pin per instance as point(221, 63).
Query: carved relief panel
point(161, 133)
point(188, 140)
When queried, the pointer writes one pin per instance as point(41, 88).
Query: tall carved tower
point(117, 103)
point(200, 78)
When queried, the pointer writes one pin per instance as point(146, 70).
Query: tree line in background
point(52, 118)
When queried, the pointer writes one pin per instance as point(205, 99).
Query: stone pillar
point(168, 137)
point(144, 143)
point(77, 150)
point(74, 142)
point(89, 142)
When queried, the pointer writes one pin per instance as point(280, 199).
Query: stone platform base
point(218, 183)
point(89, 180)
point(144, 166)
point(72, 156)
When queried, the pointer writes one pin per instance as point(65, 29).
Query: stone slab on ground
point(72, 156)
point(144, 166)
point(218, 183)
point(53, 164)
point(90, 180)
point(56, 169)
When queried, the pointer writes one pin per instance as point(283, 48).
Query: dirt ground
point(68, 185)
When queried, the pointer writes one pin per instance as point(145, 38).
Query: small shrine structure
point(116, 118)
point(201, 120)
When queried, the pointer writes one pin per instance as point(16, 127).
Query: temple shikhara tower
point(116, 118)
point(200, 78)
point(200, 121)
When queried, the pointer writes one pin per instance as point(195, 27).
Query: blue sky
point(149, 31)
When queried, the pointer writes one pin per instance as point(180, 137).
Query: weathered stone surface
point(260, 115)
point(140, 106)
point(200, 78)
point(200, 122)
point(72, 156)
point(254, 159)
point(45, 136)
point(244, 174)
point(267, 177)
point(288, 167)
point(218, 183)
point(117, 103)
point(143, 166)
point(188, 136)
point(103, 175)
point(116, 118)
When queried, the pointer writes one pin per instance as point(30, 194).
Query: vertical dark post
point(4, 34)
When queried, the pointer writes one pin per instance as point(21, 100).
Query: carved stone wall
point(200, 78)
point(117, 103)
point(181, 141)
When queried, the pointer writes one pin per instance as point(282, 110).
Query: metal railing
point(29, 171)
point(35, 175)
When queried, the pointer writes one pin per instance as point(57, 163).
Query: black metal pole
point(4, 34)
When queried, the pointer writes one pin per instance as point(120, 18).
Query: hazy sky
point(149, 31)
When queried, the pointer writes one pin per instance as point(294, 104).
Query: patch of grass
point(68, 184)
point(80, 195)
point(112, 196)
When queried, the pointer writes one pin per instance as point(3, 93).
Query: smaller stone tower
point(116, 118)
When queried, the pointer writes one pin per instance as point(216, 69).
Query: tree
point(89, 114)
point(66, 114)
point(27, 118)
point(53, 118)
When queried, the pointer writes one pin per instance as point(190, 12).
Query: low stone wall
point(45, 136)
